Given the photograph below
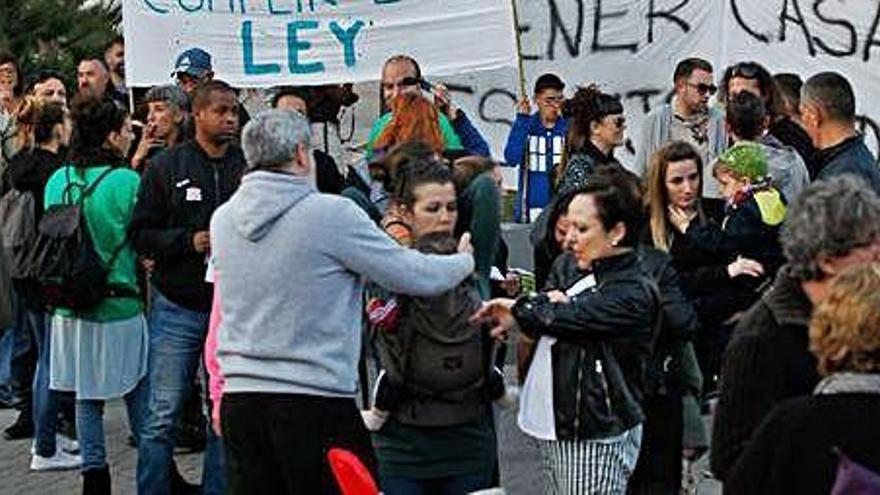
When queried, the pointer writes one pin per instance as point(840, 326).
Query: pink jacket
point(215, 376)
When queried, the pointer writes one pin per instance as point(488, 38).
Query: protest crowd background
point(330, 246)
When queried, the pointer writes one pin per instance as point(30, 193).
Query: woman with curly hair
point(807, 442)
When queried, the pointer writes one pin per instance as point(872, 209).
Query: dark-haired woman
point(754, 78)
point(594, 331)
point(460, 456)
point(596, 126)
point(101, 353)
point(28, 173)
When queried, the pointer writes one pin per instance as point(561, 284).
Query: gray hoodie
point(291, 265)
point(788, 172)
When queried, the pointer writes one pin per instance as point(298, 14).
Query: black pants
point(278, 443)
point(658, 470)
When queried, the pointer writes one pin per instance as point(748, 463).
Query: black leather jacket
point(604, 338)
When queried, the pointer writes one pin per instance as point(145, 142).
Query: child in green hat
point(753, 214)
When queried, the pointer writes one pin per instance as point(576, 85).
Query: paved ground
point(518, 460)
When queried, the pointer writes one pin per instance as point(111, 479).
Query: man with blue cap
point(193, 67)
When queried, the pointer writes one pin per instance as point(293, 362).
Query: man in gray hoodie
point(291, 264)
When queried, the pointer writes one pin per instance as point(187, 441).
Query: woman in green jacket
point(101, 353)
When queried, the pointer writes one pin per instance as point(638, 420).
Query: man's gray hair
point(830, 218)
point(169, 94)
point(270, 139)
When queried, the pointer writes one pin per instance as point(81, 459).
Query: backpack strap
point(87, 189)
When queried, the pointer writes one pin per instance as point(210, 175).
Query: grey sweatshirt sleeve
point(364, 249)
point(646, 146)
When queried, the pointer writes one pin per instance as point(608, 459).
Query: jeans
point(17, 356)
point(45, 401)
point(277, 443)
point(453, 485)
point(177, 338)
point(90, 424)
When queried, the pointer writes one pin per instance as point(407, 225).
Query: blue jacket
point(474, 143)
point(542, 159)
point(850, 157)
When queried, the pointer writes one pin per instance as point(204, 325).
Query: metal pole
point(521, 73)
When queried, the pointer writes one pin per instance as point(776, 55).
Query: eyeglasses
point(619, 122)
point(704, 88)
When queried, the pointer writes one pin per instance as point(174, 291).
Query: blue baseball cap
point(195, 62)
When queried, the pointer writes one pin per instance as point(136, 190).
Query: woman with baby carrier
point(432, 418)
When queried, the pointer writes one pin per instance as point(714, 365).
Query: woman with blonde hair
point(719, 288)
point(809, 444)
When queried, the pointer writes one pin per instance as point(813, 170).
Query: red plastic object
point(351, 475)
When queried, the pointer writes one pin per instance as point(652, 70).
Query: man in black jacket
point(828, 110)
point(179, 193)
point(833, 225)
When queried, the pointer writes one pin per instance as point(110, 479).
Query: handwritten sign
point(630, 47)
point(256, 43)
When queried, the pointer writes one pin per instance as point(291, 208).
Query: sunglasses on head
point(747, 70)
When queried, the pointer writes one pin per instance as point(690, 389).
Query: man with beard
point(114, 57)
point(688, 118)
point(179, 192)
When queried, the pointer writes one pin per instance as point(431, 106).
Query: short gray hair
point(270, 139)
point(830, 218)
point(168, 94)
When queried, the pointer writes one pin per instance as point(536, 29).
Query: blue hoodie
point(545, 152)
point(294, 262)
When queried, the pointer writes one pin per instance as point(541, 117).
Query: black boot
point(23, 426)
point(96, 481)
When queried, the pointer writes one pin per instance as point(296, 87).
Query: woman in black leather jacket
point(595, 332)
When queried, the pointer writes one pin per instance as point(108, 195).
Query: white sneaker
point(66, 444)
point(60, 461)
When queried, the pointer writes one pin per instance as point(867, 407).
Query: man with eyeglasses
point(689, 118)
point(401, 75)
point(537, 140)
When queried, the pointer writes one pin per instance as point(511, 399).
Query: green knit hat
point(746, 159)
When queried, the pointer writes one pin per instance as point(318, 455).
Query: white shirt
point(536, 413)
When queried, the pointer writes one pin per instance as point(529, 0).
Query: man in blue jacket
point(537, 140)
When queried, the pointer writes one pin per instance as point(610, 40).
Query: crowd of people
point(173, 251)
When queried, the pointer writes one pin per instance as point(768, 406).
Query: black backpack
point(439, 359)
point(19, 228)
point(71, 273)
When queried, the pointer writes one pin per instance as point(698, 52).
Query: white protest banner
point(261, 43)
point(631, 47)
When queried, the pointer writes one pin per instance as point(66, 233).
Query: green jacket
point(108, 213)
point(449, 136)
